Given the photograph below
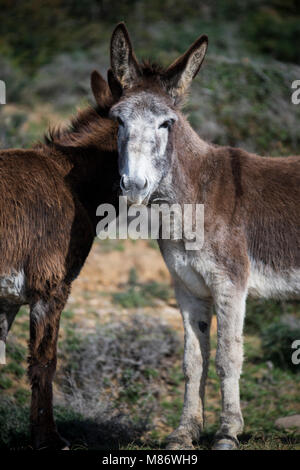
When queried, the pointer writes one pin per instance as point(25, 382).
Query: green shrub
point(277, 340)
point(14, 424)
point(139, 294)
point(265, 24)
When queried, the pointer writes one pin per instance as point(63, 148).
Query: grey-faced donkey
point(251, 223)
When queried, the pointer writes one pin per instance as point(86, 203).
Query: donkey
point(251, 223)
point(48, 200)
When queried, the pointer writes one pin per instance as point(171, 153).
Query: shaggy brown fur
point(48, 201)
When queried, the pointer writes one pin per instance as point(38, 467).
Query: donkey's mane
point(77, 124)
point(155, 76)
point(152, 69)
point(89, 128)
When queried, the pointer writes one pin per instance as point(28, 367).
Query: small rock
point(288, 422)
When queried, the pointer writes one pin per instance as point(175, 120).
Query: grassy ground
point(119, 382)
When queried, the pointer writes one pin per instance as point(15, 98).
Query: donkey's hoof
point(179, 441)
point(179, 445)
point(226, 443)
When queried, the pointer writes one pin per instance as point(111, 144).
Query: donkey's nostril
point(125, 183)
point(141, 183)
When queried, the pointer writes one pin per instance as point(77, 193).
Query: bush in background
point(277, 340)
point(114, 377)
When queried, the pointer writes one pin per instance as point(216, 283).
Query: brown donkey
point(251, 223)
point(48, 200)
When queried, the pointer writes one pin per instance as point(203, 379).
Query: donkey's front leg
point(196, 314)
point(44, 325)
point(8, 311)
point(230, 309)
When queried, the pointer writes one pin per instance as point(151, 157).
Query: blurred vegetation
point(242, 96)
point(277, 340)
point(137, 294)
point(33, 33)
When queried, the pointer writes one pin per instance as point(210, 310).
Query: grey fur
point(201, 280)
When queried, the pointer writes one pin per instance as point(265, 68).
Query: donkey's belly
point(265, 282)
point(12, 287)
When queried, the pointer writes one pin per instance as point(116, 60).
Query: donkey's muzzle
point(129, 184)
point(136, 189)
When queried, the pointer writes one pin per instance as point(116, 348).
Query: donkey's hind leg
point(44, 326)
point(8, 311)
point(196, 314)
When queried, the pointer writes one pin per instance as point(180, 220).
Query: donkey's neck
point(189, 167)
point(191, 140)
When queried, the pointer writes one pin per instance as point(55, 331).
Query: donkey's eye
point(120, 122)
point(166, 124)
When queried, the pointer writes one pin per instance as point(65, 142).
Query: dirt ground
point(106, 271)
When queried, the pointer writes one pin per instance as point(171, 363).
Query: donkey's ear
point(100, 88)
point(181, 73)
point(114, 85)
point(123, 61)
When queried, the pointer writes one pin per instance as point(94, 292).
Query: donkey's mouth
point(137, 200)
point(158, 200)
